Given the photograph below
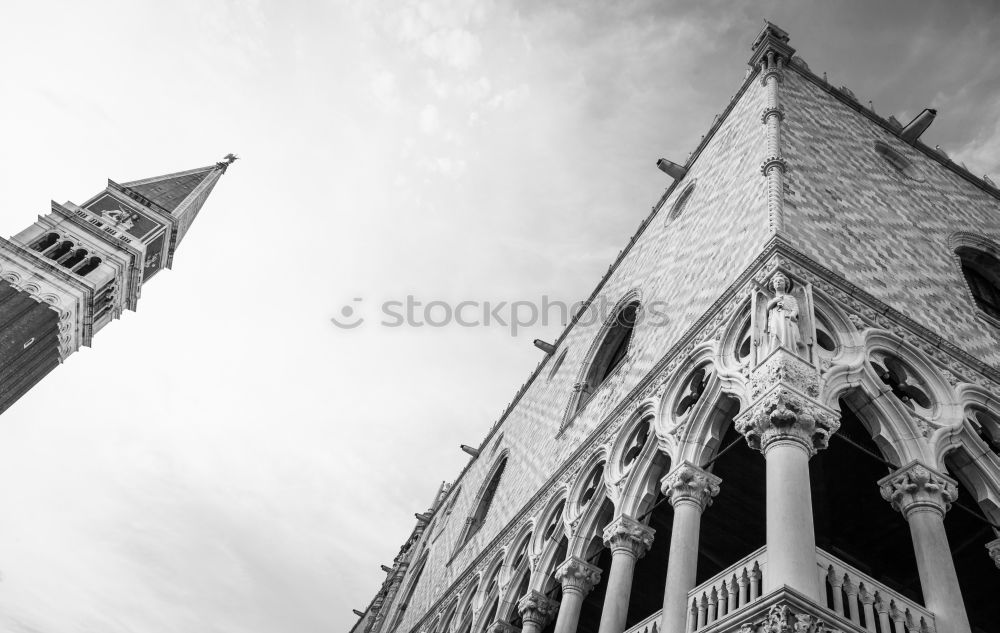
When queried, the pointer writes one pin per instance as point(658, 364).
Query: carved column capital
point(993, 547)
point(918, 488)
point(687, 483)
point(577, 576)
point(783, 389)
point(628, 535)
point(537, 608)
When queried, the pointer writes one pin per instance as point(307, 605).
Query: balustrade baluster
point(693, 616)
point(837, 586)
point(867, 600)
point(723, 596)
point(851, 590)
point(734, 595)
point(755, 578)
point(713, 606)
point(702, 611)
point(883, 613)
point(744, 589)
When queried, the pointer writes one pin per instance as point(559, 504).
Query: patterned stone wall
point(851, 211)
point(685, 263)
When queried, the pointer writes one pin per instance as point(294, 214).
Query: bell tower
point(78, 267)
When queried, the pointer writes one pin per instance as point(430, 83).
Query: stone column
point(629, 540)
point(690, 490)
point(577, 577)
point(536, 611)
point(788, 426)
point(923, 495)
point(993, 547)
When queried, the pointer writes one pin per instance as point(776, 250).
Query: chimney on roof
point(918, 126)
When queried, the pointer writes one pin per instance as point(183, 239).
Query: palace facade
point(810, 443)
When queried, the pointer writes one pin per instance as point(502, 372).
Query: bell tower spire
point(79, 267)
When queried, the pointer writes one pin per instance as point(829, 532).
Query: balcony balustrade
point(854, 603)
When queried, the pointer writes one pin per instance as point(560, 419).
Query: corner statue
point(783, 319)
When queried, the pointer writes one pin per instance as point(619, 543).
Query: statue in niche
point(782, 317)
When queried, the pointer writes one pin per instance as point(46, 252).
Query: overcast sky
point(225, 459)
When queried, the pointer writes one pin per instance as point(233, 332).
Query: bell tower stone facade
point(78, 267)
point(810, 442)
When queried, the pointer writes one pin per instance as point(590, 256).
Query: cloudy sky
point(225, 459)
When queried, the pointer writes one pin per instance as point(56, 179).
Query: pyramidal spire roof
point(181, 194)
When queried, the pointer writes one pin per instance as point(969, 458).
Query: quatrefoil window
point(691, 393)
point(636, 443)
point(593, 482)
point(554, 520)
point(987, 427)
point(905, 383)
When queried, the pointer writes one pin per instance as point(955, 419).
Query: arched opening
point(982, 273)
point(611, 351)
point(969, 530)
point(74, 259)
point(58, 252)
point(485, 501)
point(650, 577)
point(599, 555)
point(741, 499)
point(551, 588)
point(45, 242)
point(852, 520)
point(88, 267)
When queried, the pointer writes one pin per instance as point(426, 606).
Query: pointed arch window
point(611, 352)
point(478, 518)
point(982, 273)
point(410, 588)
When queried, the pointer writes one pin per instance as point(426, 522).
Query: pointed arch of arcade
point(586, 514)
point(549, 542)
point(466, 608)
point(517, 566)
point(489, 593)
point(638, 459)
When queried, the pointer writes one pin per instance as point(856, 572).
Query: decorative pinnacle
point(772, 40)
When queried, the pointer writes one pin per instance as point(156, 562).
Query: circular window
point(680, 203)
point(899, 162)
